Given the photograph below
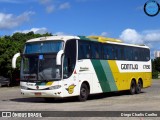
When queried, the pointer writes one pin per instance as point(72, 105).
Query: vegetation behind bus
point(155, 68)
point(10, 45)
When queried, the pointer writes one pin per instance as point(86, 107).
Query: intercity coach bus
point(65, 66)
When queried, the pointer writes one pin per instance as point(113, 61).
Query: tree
point(155, 67)
point(10, 45)
point(157, 64)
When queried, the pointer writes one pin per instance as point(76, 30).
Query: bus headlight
point(24, 87)
point(55, 87)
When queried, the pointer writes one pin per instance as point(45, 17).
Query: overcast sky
point(122, 19)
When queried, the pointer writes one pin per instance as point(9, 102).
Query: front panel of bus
point(40, 75)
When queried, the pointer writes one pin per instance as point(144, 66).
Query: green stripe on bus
point(87, 39)
point(109, 75)
point(101, 75)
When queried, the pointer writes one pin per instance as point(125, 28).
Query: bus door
point(69, 74)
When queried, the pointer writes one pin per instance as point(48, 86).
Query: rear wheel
point(139, 87)
point(132, 87)
point(84, 92)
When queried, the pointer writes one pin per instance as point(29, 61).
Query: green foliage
point(157, 64)
point(155, 67)
point(155, 74)
point(10, 45)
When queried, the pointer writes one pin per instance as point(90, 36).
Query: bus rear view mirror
point(58, 58)
point(14, 59)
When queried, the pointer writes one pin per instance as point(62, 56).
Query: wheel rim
point(133, 88)
point(83, 93)
point(139, 86)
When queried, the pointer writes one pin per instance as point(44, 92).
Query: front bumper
point(42, 93)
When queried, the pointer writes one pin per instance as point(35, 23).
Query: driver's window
point(65, 68)
point(69, 58)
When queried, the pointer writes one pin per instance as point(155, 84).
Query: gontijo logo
point(151, 8)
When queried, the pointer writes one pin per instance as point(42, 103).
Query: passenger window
point(84, 50)
point(110, 52)
point(96, 50)
point(147, 55)
point(116, 55)
point(135, 54)
point(105, 52)
point(121, 53)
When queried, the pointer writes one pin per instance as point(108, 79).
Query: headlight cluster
point(55, 87)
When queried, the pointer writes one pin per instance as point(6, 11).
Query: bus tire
point(138, 87)
point(84, 92)
point(133, 87)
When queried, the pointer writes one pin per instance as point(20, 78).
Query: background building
point(156, 54)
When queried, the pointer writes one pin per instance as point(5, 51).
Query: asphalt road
point(148, 100)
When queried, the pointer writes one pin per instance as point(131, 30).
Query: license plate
point(37, 94)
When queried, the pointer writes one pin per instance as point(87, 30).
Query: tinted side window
point(113, 52)
point(147, 54)
point(142, 54)
point(105, 52)
point(96, 50)
point(118, 52)
point(110, 52)
point(121, 53)
point(84, 50)
point(135, 54)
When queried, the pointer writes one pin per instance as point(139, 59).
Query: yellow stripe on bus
point(49, 83)
point(123, 80)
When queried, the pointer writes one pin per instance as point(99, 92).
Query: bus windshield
point(42, 67)
point(39, 61)
point(43, 47)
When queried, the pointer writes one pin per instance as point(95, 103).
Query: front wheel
point(84, 92)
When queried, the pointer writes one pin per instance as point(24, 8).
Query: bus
point(65, 66)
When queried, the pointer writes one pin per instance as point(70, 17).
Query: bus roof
point(48, 38)
point(87, 38)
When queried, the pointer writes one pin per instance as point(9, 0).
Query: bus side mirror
point(58, 58)
point(14, 59)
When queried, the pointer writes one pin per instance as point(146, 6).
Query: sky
point(121, 19)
